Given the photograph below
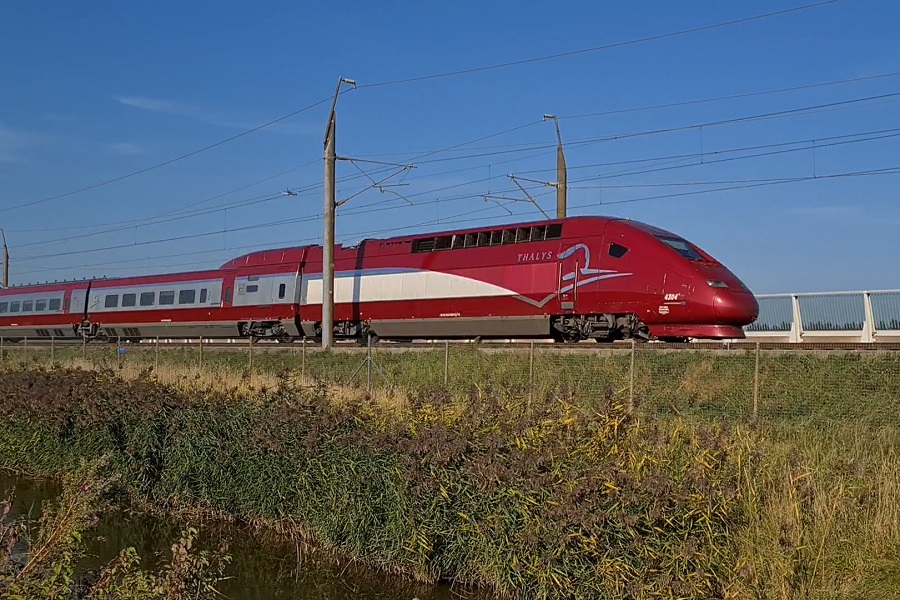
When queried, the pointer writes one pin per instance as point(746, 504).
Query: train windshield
point(681, 246)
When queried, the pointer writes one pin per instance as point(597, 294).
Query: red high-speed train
point(569, 279)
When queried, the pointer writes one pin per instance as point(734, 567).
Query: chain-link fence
point(746, 383)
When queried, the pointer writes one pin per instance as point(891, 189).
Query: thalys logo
point(581, 272)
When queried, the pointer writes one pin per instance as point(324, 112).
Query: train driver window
point(112, 301)
point(148, 298)
point(228, 295)
point(617, 250)
point(282, 290)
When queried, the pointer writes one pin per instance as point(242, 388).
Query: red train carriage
point(570, 279)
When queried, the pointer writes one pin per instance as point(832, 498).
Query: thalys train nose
point(736, 308)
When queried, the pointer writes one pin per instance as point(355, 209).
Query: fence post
point(250, 357)
point(446, 363)
point(83, 347)
point(369, 364)
point(303, 358)
point(156, 360)
point(52, 348)
point(2, 352)
point(119, 351)
point(201, 352)
point(530, 373)
point(25, 352)
point(755, 415)
point(631, 378)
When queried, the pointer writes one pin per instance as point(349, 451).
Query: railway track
point(296, 345)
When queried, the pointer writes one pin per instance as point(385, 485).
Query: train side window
point(282, 290)
point(617, 250)
point(148, 298)
point(28, 306)
point(15, 307)
point(187, 296)
point(203, 293)
point(129, 300)
point(112, 301)
point(554, 231)
point(4, 306)
point(54, 304)
point(228, 295)
point(167, 298)
point(252, 288)
point(40, 305)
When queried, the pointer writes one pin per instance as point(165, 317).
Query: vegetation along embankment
point(561, 496)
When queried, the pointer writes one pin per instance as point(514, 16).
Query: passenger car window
point(28, 306)
point(203, 296)
point(15, 307)
point(129, 299)
point(40, 305)
point(148, 298)
point(228, 295)
point(4, 306)
point(252, 288)
point(187, 296)
point(54, 304)
point(167, 297)
point(617, 250)
point(112, 301)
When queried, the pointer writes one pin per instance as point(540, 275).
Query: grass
point(547, 490)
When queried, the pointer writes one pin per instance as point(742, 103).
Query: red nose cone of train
point(736, 307)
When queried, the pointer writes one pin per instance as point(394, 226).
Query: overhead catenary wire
point(646, 39)
point(643, 40)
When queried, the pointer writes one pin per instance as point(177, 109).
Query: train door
point(578, 262)
point(227, 290)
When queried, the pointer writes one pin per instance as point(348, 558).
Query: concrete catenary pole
point(5, 261)
point(561, 175)
point(328, 237)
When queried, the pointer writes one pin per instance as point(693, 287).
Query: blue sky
point(94, 91)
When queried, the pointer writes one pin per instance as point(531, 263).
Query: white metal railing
point(866, 316)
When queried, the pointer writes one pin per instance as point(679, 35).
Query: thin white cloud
point(12, 143)
point(214, 117)
point(825, 211)
point(154, 105)
point(124, 149)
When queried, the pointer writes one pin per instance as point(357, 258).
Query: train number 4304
point(671, 297)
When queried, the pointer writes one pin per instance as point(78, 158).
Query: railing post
point(446, 363)
point(631, 378)
point(156, 360)
point(83, 347)
point(25, 352)
point(303, 358)
point(2, 353)
point(119, 351)
point(201, 352)
point(755, 415)
point(52, 349)
point(250, 357)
